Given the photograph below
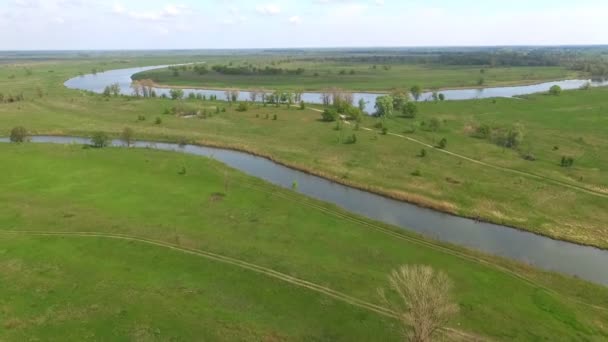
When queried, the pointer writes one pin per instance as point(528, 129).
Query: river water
point(97, 83)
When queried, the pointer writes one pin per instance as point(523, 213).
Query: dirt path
point(496, 167)
point(245, 265)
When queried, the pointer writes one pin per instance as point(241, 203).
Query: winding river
point(96, 83)
point(585, 262)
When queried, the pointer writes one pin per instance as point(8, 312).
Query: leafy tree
point(362, 105)
point(410, 110)
point(421, 298)
point(127, 136)
point(384, 106)
point(400, 99)
point(416, 92)
point(18, 134)
point(176, 94)
point(100, 140)
point(441, 97)
point(555, 90)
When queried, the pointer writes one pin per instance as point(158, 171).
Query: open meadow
point(231, 261)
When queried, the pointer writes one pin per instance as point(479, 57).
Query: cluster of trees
point(253, 70)
point(567, 162)
point(511, 137)
point(200, 69)
point(339, 104)
point(111, 90)
point(143, 88)
point(10, 98)
point(398, 102)
point(594, 67)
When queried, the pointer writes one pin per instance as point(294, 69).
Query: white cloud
point(167, 12)
point(118, 8)
point(295, 20)
point(269, 9)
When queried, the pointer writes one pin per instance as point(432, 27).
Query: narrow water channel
point(585, 262)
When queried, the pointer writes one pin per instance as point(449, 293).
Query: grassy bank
point(118, 191)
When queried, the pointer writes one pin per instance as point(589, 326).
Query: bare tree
point(326, 98)
point(127, 136)
point(136, 86)
point(421, 299)
point(253, 95)
point(234, 95)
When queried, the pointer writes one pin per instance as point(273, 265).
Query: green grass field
point(574, 122)
point(85, 287)
point(323, 75)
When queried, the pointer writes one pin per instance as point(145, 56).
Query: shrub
point(384, 131)
point(434, 125)
point(443, 143)
point(141, 118)
point(417, 173)
point(158, 121)
point(351, 139)
point(555, 90)
point(99, 140)
point(567, 162)
point(329, 115)
point(482, 132)
point(242, 107)
point(422, 153)
point(302, 105)
point(275, 117)
point(18, 134)
point(176, 94)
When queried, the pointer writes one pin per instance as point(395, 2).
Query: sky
point(220, 24)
